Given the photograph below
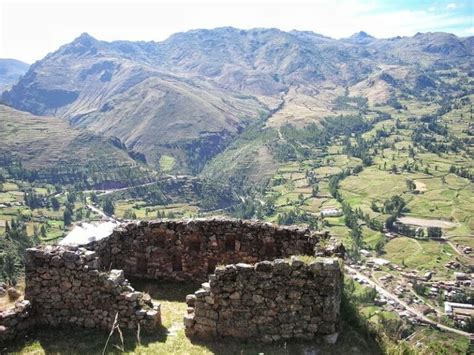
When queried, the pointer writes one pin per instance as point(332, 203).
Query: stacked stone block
point(268, 301)
point(250, 298)
point(67, 286)
point(191, 249)
point(15, 321)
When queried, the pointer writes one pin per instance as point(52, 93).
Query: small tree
point(374, 207)
point(55, 203)
point(67, 217)
point(435, 232)
point(411, 185)
point(109, 207)
point(379, 246)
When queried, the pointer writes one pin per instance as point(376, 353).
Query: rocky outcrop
point(269, 301)
point(67, 286)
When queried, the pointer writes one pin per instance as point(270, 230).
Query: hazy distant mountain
point(189, 95)
point(10, 72)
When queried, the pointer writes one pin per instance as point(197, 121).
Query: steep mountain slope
point(47, 148)
point(189, 96)
point(97, 86)
point(10, 72)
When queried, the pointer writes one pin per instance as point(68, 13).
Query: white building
point(331, 212)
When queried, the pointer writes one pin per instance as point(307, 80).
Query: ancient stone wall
point(269, 301)
point(190, 250)
point(67, 286)
point(15, 321)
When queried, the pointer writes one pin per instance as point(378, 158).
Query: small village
point(419, 298)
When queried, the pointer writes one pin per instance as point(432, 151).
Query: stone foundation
point(268, 301)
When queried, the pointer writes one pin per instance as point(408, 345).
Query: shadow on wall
point(165, 290)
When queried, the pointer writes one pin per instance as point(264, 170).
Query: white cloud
point(468, 32)
point(451, 6)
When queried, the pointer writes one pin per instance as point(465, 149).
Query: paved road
point(390, 295)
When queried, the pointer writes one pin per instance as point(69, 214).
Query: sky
point(29, 29)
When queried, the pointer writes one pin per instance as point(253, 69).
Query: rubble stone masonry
point(15, 321)
point(190, 250)
point(268, 301)
point(260, 294)
point(67, 286)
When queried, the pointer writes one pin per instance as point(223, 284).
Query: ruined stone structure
point(15, 321)
point(267, 301)
point(68, 286)
point(178, 250)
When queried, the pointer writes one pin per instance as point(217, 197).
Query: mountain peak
point(361, 35)
point(85, 39)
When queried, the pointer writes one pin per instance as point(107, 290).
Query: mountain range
point(191, 96)
point(10, 72)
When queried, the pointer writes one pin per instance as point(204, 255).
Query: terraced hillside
point(190, 96)
point(48, 149)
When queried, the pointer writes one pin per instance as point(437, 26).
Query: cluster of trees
point(296, 216)
point(300, 142)
point(394, 206)
point(12, 248)
point(162, 214)
point(130, 214)
point(108, 206)
point(68, 214)
point(359, 150)
point(34, 200)
point(351, 102)
point(72, 173)
point(462, 172)
point(425, 135)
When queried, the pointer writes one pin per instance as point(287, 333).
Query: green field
point(167, 163)
point(421, 255)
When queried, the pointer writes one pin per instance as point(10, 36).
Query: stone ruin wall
point(16, 321)
point(269, 301)
point(190, 251)
point(71, 285)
